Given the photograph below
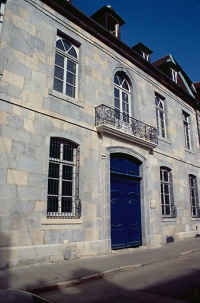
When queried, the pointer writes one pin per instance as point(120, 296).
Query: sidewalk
point(48, 276)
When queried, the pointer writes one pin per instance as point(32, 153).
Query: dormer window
point(173, 75)
point(145, 55)
point(143, 50)
point(109, 19)
point(113, 25)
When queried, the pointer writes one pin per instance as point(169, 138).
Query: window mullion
point(65, 76)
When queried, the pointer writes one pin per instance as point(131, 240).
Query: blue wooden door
point(125, 202)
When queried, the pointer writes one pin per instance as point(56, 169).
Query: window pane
point(192, 182)
point(117, 103)
point(70, 91)
point(54, 150)
point(157, 101)
point(53, 170)
point(162, 199)
point(71, 79)
point(59, 60)
point(167, 201)
point(59, 45)
point(125, 97)
point(66, 188)
point(66, 205)
point(52, 204)
point(125, 85)
point(163, 210)
point(66, 45)
point(71, 66)
point(125, 107)
point(116, 91)
point(166, 179)
point(72, 52)
point(58, 85)
point(120, 79)
point(116, 79)
point(167, 210)
point(58, 72)
point(163, 133)
point(67, 172)
point(53, 187)
point(68, 152)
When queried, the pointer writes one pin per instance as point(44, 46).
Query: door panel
point(117, 223)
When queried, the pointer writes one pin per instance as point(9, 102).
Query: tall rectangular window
point(194, 199)
point(186, 125)
point(63, 186)
point(65, 71)
point(167, 200)
point(160, 116)
point(121, 97)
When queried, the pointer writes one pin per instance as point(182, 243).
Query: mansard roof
point(166, 63)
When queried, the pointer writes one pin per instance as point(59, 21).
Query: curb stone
point(100, 275)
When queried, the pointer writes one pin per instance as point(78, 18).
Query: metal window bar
point(105, 115)
point(63, 187)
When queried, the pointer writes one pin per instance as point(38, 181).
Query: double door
point(125, 210)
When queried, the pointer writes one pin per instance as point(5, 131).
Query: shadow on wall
point(4, 261)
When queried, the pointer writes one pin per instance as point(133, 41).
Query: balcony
point(111, 121)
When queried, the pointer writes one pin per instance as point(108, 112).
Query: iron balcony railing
point(113, 118)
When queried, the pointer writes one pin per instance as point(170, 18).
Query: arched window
point(122, 94)
point(65, 72)
point(160, 117)
point(63, 192)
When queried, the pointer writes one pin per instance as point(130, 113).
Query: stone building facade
point(99, 147)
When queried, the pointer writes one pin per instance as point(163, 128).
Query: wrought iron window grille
point(169, 211)
point(63, 215)
point(195, 210)
point(112, 117)
point(63, 180)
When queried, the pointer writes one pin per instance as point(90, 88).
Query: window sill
point(64, 97)
point(46, 221)
point(166, 219)
point(189, 151)
point(195, 218)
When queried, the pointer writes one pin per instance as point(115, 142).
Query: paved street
point(168, 281)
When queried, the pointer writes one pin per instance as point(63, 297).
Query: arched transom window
point(122, 93)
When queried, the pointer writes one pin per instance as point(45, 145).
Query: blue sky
point(165, 26)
